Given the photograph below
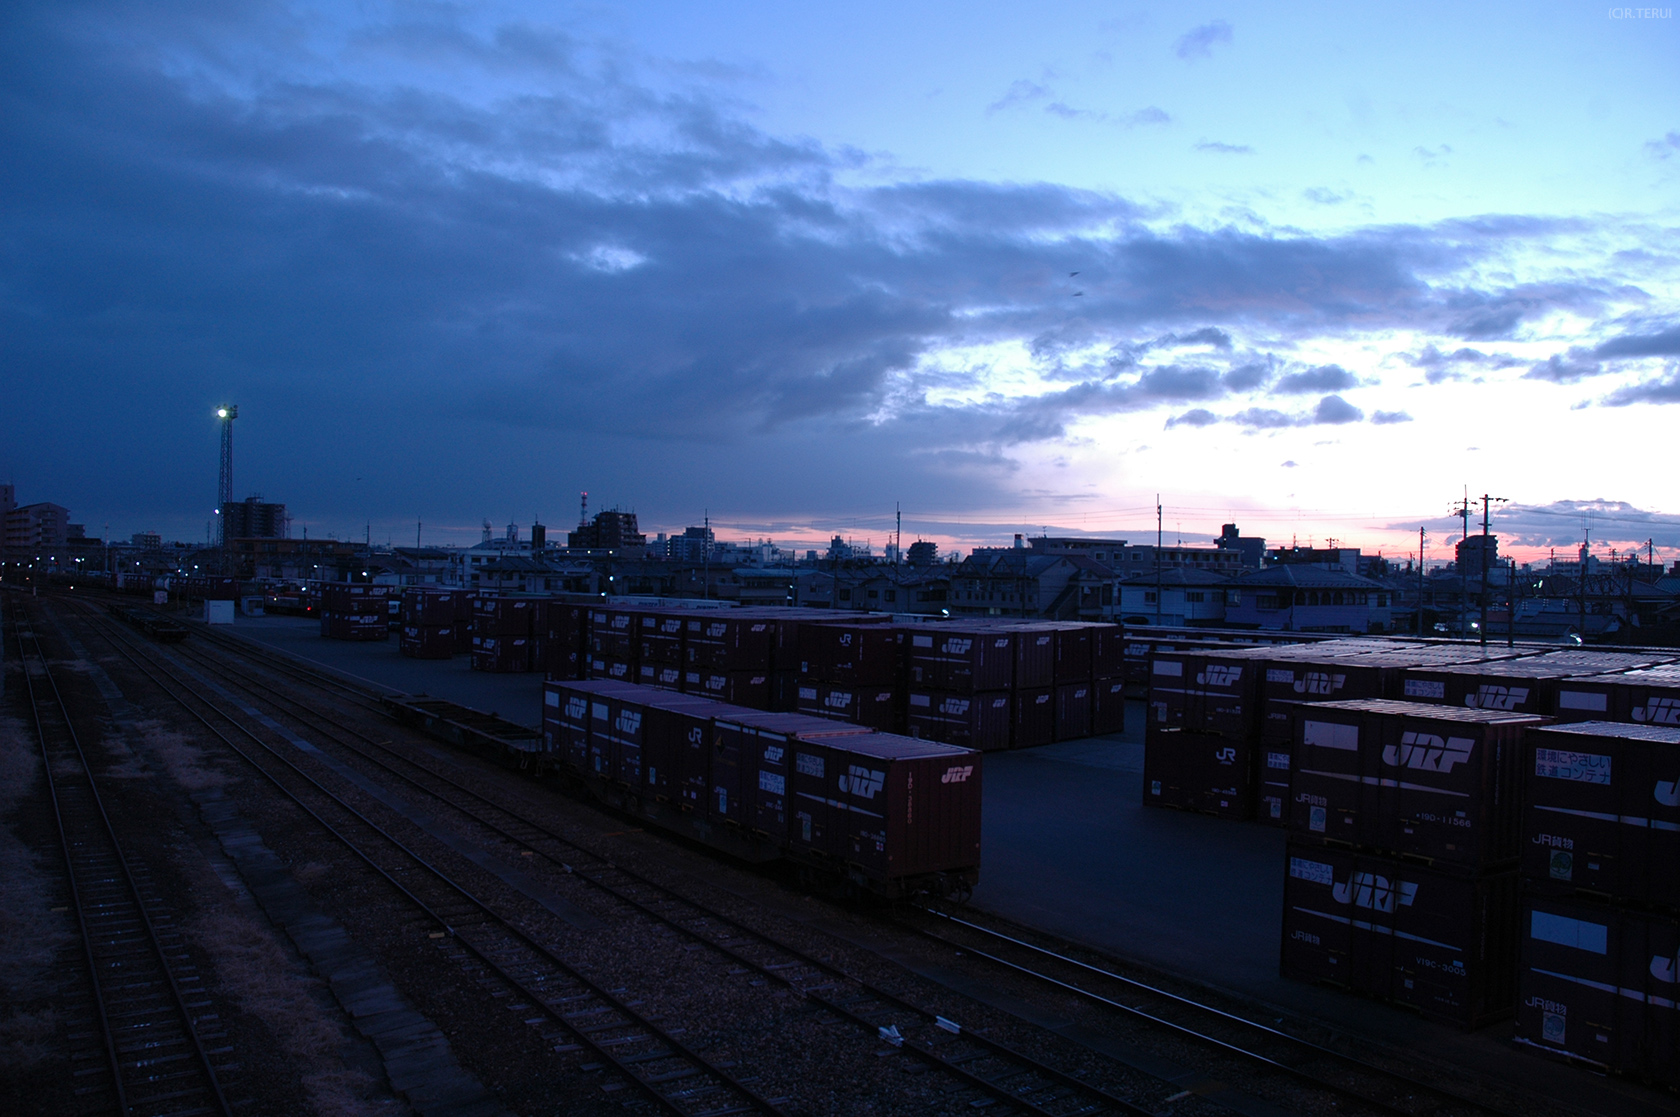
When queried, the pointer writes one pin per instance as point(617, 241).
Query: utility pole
point(1486, 499)
point(1157, 560)
point(417, 526)
point(1586, 546)
point(706, 553)
point(1462, 511)
point(1420, 583)
point(224, 481)
point(1512, 600)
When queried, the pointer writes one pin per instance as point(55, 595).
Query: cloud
point(1019, 93)
point(1324, 196)
point(1432, 156)
point(1665, 343)
point(1198, 42)
point(1565, 368)
point(1289, 465)
point(1198, 417)
point(1142, 117)
point(1265, 418)
point(1562, 524)
point(1224, 148)
point(1325, 378)
point(1385, 418)
point(1335, 409)
point(1665, 147)
point(1662, 389)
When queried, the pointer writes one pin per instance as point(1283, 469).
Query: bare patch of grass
point(257, 975)
point(185, 762)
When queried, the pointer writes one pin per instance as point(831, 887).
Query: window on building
point(892, 595)
point(1195, 597)
point(1149, 595)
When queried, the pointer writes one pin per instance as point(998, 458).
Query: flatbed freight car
point(155, 625)
point(857, 812)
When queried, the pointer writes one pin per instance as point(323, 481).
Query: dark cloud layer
point(424, 300)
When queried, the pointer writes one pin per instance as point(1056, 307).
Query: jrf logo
point(956, 646)
point(1427, 752)
point(957, 775)
point(865, 783)
point(1219, 676)
point(1667, 792)
point(1374, 892)
point(1659, 711)
point(577, 708)
point(1319, 682)
point(1490, 697)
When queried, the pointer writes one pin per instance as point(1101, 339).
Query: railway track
point(147, 1055)
point(988, 1070)
point(669, 1075)
point(993, 1071)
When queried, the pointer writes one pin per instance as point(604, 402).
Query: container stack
point(1600, 927)
point(1404, 831)
point(1201, 736)
point(428, 622)
point(729, 656)
point(961, 679)
point(659, 649)
point(354, 611)
point(612, 644)
point(852, 672)
point(563, 642)
point(1647, 696)
point(1527, 685)
point(503, 628)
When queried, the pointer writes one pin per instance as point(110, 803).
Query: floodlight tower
point(224, 484)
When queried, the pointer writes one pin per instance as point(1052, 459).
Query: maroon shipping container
point(1108, 705)
point(501, 654)
point(355, 599)
point(960, 660)
point(354, 626)
point(860, 655)
point(752, 758)
point(1073, 711)
point(1108, 651)
point(1602, 811)
point(1442, 944)
point(1527, 685)
point(887, 807)
point(565, 723)
point(504, 616)
point(1073, 653)
point(665, 676)
point(1035, 655)
point(738, 688)
point(1601, 983)
point(660, 649)
point(973, 721)
point(872, 707)
point(425, 607)
point(1644, 697)
point(1202, 692)
point(612, 670)
point(1435, 782)
point(732, 640)
point(1198, 772)
point(1033, 717)
point(427, 641)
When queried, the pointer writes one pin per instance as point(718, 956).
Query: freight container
point(1207, 692)
point(974, 721)
point(1198, 772)
point(752, 757)
point(1073, 654)
point(612, 670)
point(1601, 983)
point(1602, 813)
point(960, 660)
point(1033, 720)
point(1108, 705)
point(859, 655)
point(737, 688)
point(1073, 711)
point(894, 807)
point(665, 676)
point(1440, 943)
point(354, 626)
point(1035, 655)
point(1433, 782)
point(874, 707)
point(501, 654)
point(1108, 651)
point(425, 607)
point(427, 641)
point(357, 599)
point(737, 640)
point(1527, 685)
point(1650, 696)
point(504, 616)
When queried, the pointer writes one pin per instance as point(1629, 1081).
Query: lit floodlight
point(221, 413)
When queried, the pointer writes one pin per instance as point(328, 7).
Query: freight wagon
point(856, 811)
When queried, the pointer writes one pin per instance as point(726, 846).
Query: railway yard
point(236, 884)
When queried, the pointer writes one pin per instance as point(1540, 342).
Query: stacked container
point(1528, 685)
point(659, 649)
point(852, 672)
point(729, 656)
point(562, 644)
point(612, 644)
point(1648, 696)
point(503, 633)
point(1404, 830)
point(428, 622)
point(354, 611)
point(1601, 906)
point(961, 680)
point(1200, 736)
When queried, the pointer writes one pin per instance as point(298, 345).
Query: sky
point(1318, 270)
